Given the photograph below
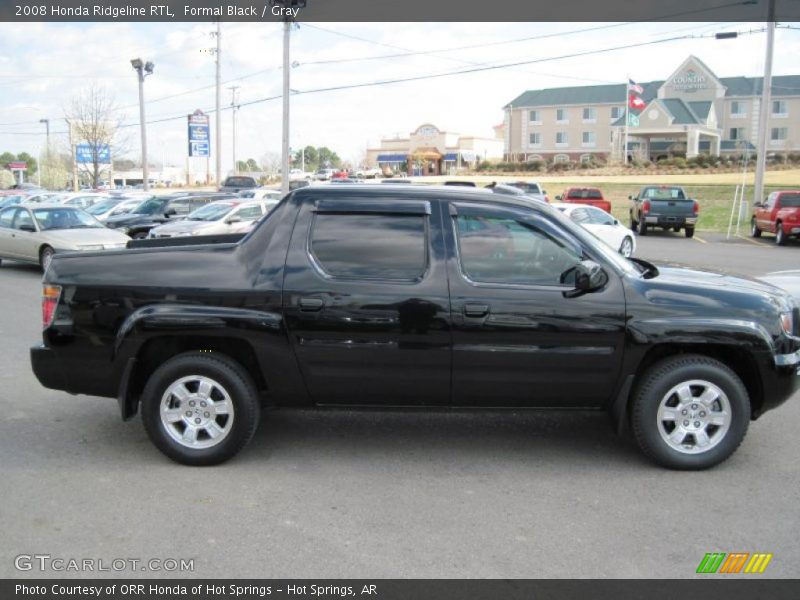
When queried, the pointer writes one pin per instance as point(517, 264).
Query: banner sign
point(84, 153)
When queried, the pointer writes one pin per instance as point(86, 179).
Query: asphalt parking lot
point(378, 495)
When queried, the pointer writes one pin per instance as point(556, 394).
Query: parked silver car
point(113, 206)
point(35, 233)
point(223, 216)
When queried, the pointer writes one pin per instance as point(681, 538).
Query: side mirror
point(631, 198)
point(558, 197)
point(758, 205)
point(170, 212)
point(28, 228)
point(544, 191)
point(233, 219)
point(616, 221)
point(587, 276)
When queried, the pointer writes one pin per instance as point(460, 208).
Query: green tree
point(328, 158)
point(5, 158)
point(33, 166)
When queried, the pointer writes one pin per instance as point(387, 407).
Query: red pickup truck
point(591, 196)
point(779, 214)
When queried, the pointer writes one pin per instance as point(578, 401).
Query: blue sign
point(85, 153)
point(199, 134)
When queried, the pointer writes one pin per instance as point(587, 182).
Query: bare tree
point(96, 122)
point(271, 163)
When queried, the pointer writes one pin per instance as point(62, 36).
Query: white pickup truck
point(369, 173)
point(299, 175)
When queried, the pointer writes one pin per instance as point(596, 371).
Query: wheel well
point(158, 350)
point(740, 361)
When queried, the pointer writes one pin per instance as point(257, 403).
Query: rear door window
point(370, 246)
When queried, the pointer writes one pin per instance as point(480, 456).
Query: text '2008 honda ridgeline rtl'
point(406, 296)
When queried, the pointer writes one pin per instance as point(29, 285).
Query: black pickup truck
point(423, 297)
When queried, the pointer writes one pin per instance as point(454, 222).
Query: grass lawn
point(714, 191)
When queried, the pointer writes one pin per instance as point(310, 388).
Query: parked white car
point(113, 206)
point(324, 174)
point(300, 175)
point(602, 225)
point(371, 173)
point(41, 198)
point(223, 216)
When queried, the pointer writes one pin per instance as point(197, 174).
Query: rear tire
point(689, 232)
point(642, 226)
point(200, 409)
point(690, 412)
point(780, 237)
point(754, 230)
point(633, 222)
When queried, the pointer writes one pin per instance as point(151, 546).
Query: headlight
point(90, 246)
point(787, 322)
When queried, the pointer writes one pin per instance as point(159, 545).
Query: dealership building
point(430, 151)
point(691, 112)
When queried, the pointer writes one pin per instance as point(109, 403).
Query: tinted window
point(592, 194)
point(664, 193)
point(7, 216)
point(370, 246)
point(496, 249)
point(240, 182)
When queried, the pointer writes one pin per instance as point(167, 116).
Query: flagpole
point(627, 119)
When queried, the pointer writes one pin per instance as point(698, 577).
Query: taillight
point(50, 296)
point(646, 206)
point(547, 199)
point(696, 208)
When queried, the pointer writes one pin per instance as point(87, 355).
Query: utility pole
point(233, 89)
point(218, 53)
point(143, 69)
point(763, 114)
point(287, 25)
point(46, 149)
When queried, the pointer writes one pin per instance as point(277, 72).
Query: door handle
point(476, 310)
point(311, 304)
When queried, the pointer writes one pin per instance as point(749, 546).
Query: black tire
point(235, 380)
point(642, 226)
point(676, 229)
point(139, 235)
point(653, 387)
point(780, 237)
point(754, 230)
point(689, 232)
point(45, 256)
point(633, 222)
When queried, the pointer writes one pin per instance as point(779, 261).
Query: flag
point(634, 87)
point(635, 102)
point(633, 120)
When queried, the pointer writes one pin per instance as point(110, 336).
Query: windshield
point(103, 206)
point(152, 206)
point(790, 200)
point(211, 212)
point(64, 218)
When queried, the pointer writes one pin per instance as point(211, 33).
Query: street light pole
point(219, 105)
point(763, 114)
point(46, 148)
point(285, 138)
point(143, 69)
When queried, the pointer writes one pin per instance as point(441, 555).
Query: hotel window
point(589, 115)
point(561, 138)
point(737, 109)
point(561, 115)
point(779, 108)
point(535, 117)
point(588, 138)
point(561, 158)
point(736, 133)
point(535, 139)
point(778, 134)
point(616, 112)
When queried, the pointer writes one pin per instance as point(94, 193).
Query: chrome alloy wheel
point(196, 412)
point(694, 416)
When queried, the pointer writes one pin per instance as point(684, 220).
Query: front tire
point(45, 257)
point(690, 412)
point(200, 409)
point(780, 237)
point(626, 248)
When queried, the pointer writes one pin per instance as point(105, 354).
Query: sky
point(44, 65)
